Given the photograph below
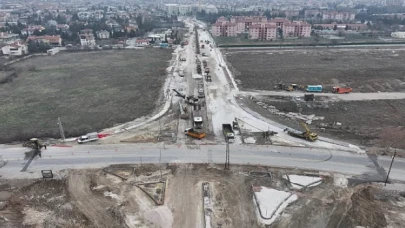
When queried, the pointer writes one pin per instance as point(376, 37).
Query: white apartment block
point(185, 9)
point(338, 16)
point(172, 9)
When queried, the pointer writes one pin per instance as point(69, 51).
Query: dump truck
point(314, 88)
point(195, 134)
point(307, 134)
point(197, 117)
point(229, 134)
point(201, 93)
point(341, 90)
point(88, 138)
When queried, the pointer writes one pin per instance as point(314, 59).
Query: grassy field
point(88, 91)
point(310, 41)
point(365, 70)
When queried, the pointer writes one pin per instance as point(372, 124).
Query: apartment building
point(297, 29)
point(338, 16)
point(260, 27)
point(264, 31)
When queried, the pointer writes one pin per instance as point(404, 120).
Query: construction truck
point(195, 134)
point(314, 88)
point(201, 90)
point(34, 143)
point(307, 134)
point(228, 132)
point(341, 90)
point(197, 117)
point(88, 138)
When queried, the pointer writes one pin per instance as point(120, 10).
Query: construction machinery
point(229, 134)
point(179, 94)
point(341, 90)
point(309, 97)
point(314, 88)
point(34, 143)
point(197, 117)
point(201, 93)
point(307, 134)
point(195, 134)
point(235, 124)
point(291, 87)
point(191, 100)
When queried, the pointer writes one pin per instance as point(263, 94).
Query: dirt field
point(365, 70)
point(88, 91)
point(354, 117)
point(94, 198)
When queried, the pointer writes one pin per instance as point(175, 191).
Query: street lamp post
point(392, 161)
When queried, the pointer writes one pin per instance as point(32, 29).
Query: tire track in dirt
point(94, 207)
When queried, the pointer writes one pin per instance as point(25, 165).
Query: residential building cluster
point(260, 28)
point(181, 9)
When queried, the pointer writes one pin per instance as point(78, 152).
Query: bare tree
point(392, 137)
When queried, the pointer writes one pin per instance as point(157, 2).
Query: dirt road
point(343, 97)
point(93, 206)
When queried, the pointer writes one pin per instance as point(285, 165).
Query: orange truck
point(341, 90)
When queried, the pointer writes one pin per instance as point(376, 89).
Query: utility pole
point(392, 161)
point(227, 155)
point(62, 132)
point(160, 165)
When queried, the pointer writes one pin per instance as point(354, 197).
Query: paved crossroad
point(87, 156)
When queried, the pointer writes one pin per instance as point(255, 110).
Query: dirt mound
point(365, 211)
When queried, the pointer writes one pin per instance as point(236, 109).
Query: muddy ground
point(127, 196)
point(89, 91)
point(365, 70)
point(358, 122)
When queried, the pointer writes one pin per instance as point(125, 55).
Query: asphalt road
point(92, 156)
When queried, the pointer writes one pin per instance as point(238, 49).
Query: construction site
point(191, 195)
point(337, 92)
point(223, 138)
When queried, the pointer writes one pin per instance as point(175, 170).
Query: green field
point(89, 91)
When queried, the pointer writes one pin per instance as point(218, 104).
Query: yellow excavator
point(307, 134)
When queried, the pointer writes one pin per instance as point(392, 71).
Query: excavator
point(34, 143)
point(307, 134)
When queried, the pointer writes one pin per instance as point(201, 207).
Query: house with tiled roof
point(51, 40)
